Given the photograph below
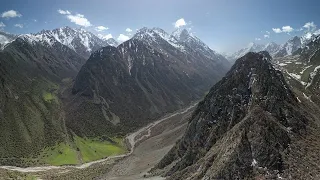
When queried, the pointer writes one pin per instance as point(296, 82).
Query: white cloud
point(310, 26)
point(11, 14)
point(276, 30)
point(101, 28)
point(106, 37)
point(287, 29)
point(123, 38)
point(18, 25)
point(266, 36)
point(179, 23)
point(2, 25)
point(128, 30)
point(258, 39)
point(64, 12)
point(267, 32)
point(79, 19)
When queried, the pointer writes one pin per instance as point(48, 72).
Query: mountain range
point(65, 92)
point(62, 85)
point(275, 50)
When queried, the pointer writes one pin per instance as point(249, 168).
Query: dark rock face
point(140, 80)
point(246, 121)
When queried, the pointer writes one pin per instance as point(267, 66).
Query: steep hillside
point(249, 126)
point(30, 110)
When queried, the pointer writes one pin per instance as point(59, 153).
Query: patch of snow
point(312, 74)
point(254, 162)
point(296, 76)
point(282, 64)
point(298, 100)
point(307, 97)
point(129, 64)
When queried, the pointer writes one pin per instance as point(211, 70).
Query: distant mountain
point(251, 125)
point(6, 38)
point(252, 47)
point(289, 47)
point(301, 68)
point(276, 50)
point(140, 80)
point(112, 42)
point(296, 43)
point(272, 48)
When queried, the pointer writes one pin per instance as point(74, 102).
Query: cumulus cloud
point(123, 38)
point(79, 19)
point(2, 25)
point(10, 14)
point(258, 39)
point(276, 30)
point(266, 36)
point(64, 12)
point(179, 23)
point(106, 37)
point(128, 30)
point(267, 32)
point(101, 28)
point(287, 29)
point(18, 25)
point(310, 25)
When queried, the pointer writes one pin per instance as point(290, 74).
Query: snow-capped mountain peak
point(155, 36)
point(251, 47)
point(79, 40)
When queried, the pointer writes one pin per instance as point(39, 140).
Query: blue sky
point(225, 25)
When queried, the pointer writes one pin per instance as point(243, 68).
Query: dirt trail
point(131, 139)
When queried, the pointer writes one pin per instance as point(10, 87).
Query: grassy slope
point(89, 150)
point(61, 154)
point(94, 149)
